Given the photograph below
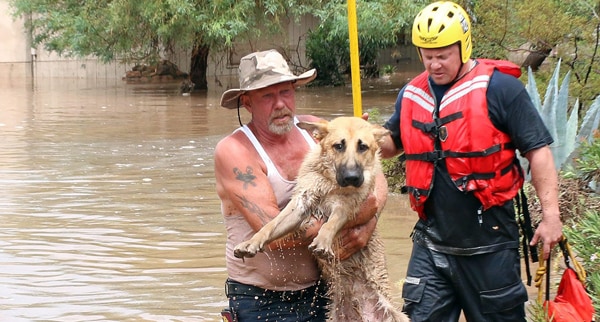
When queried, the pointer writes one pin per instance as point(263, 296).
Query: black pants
point(485, 287)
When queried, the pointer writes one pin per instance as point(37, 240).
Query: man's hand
point(355, 238)
point(549, 232)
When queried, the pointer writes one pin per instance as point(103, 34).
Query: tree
point(379, 24)
point(566, 29)
point(142, 31)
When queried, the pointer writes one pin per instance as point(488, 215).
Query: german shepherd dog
point(335, 178)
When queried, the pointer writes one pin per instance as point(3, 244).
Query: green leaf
point(590, 122)
point(532, 90)
point(570, 143)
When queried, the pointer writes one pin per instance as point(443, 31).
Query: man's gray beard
point(281, 129)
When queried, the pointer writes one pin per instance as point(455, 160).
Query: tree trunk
point(199, 66)
point(536, 58)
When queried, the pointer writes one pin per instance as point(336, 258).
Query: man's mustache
point(284, 112)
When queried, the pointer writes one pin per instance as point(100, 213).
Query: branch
point(587, 75)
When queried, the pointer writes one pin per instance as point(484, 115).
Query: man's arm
point(244, 188)
point(544, 179)
point(388, 148)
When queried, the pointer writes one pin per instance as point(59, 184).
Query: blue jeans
point(250, 303)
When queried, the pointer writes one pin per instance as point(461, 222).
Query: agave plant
point(562, 124)
point(590, 123)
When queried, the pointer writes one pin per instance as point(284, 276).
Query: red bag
point(572, 302)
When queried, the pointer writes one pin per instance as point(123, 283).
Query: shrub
point(326, 54)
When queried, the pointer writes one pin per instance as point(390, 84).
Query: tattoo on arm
point(247, 178)
point(254, 208)
point(299, 234)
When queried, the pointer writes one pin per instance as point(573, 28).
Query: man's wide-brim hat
point(260, 70)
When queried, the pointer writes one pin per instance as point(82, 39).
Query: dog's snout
point(350, 176)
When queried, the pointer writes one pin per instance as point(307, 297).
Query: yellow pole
point(354, 61)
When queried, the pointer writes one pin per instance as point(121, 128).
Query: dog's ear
point(380, 132)
point(318, 129)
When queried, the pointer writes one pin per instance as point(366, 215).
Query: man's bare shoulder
point(235, 151)
point(235, 142)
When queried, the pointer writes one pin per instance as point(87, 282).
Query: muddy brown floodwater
point(108, 202)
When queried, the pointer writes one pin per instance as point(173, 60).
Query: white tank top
point(281, 186)
point(281, 269)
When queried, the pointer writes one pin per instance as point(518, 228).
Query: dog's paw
point(323, 253)
point(246, 249)
point(320, 250)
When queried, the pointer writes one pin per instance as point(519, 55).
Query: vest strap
point(415, 192)
point(524, 221)
point(438, 155)
point(432, 127)
point(481, 176)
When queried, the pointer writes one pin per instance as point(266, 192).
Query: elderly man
point(255, 169)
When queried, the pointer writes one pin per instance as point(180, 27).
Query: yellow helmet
point(442, 24)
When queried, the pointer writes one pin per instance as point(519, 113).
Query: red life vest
point(479, 157)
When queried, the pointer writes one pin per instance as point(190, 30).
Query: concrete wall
point(15, 49)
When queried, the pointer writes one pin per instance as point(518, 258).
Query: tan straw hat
point(262, 69)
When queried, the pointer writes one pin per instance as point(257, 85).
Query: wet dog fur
point(334, 180)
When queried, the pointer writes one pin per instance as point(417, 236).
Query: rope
point(544, 269)
point(570, 259)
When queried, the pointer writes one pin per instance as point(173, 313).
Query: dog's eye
point(340, 147)
point(362, 147)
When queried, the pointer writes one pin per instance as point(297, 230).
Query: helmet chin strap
point(459, 75)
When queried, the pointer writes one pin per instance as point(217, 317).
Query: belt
point(235, 288)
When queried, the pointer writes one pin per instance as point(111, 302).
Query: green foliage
point(560, 119)
point(566, 30)
point(132, 30)
point(392, 168)
point(506, 25)
point(584, 234)
point(388, 69)
point(554, 112)
point(588, 163)
point(584, 237)
point(536, 312)
point(327, 56)
point(124, 30)
point(379, 23)
point(591, 121)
